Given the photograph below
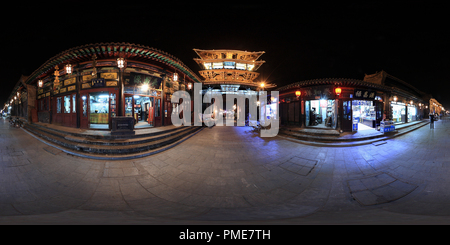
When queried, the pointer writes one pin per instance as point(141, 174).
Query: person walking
point(431, 121)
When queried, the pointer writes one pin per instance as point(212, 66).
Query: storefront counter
point(99, 118)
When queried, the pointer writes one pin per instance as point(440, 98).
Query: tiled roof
point(334, 81)
point(113, 50)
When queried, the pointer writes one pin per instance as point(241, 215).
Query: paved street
point(229, 175)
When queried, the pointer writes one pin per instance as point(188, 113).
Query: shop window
point(99, 108)
point(66, 104)
point(128, 106)
point(58, 105)
point(74, 103)
point(398, 113)
point(113, 104)
point(84, 106)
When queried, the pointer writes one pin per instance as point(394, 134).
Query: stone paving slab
point(231, 175)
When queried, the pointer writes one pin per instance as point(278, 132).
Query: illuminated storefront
point(398, 112)
point(347, 104)
point(87, 86)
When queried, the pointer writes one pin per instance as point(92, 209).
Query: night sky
point(323, 39)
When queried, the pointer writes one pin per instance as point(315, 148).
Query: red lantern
point(338, 91)
point(298, 93)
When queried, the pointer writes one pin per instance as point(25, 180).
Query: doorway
point(99, 110)
point(320, 113)
point(141, 108)
point(364, 115)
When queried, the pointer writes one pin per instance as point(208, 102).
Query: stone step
point(101, 134)
point(139, 146)
point(334, 142)
point(97, 140)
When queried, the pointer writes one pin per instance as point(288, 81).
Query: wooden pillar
point(78, 88)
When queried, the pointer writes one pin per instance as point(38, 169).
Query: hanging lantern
point(175, 76)
point(120, 63)
point(395, 98)
point(40, 83)
point(338, 91)
point(69, 69)
point(298, 93)
point(189, 86)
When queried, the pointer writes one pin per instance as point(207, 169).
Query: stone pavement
point(230, 175)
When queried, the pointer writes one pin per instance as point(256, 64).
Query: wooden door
point(158, 112)
point(347, 117)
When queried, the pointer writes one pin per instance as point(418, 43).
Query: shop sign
point(364, 94)
point(98, 82)
point(122, 125)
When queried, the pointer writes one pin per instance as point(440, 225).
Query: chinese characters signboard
point(364, 94)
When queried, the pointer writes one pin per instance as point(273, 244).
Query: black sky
point(302, 41)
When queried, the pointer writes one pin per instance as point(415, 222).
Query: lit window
point(74, 103)
point(218, 65)
point(58, 105)
point(240, 66)
point(66, 104)
point(229, 65)
point(207, 66)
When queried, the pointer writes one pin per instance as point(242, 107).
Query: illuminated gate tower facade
point(230, 72)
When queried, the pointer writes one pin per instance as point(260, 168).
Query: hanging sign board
point(98, 82)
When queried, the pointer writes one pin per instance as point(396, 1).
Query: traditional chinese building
point(231, 72)
point(436, 107)
point(351, 104)
point(87, 86)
